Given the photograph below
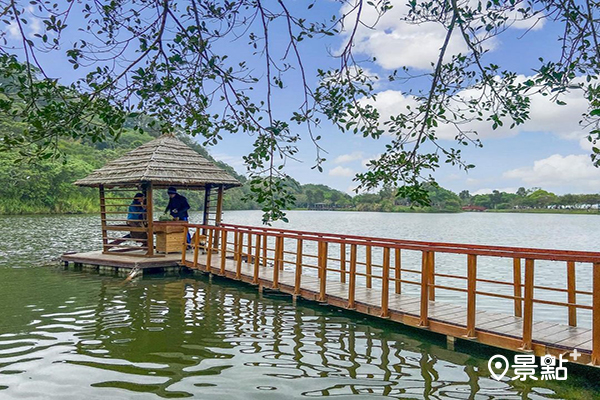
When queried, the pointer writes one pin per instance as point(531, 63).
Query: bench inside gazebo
point(157, 165)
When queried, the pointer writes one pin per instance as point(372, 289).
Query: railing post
point(277, 260)
point(369, 267)
point(517, 287)
point(184, 245)
point(352, 284)
point(240, 248)
point(471, 294)
point(343, 262)
point(264, 250)
point(596, 315)
point(196, 246)
point(398, 270)
point(256, 261)
point(298, 281)
point(431, 271)
point(249, 260)
point(209, 249)
point(323, 267)
point(236, 244)
point(424, 317)
point(528, 305)
point(385, 283)
point(571, 295)
point(223, 250)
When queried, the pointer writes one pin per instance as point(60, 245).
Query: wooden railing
point(388, 264)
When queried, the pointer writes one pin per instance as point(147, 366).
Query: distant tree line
point(534, 198)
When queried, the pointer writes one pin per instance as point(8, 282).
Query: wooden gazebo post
point(149, 219)
point(103, 219)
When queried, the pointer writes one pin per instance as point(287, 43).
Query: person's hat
point(138, 194)
point(171, 190)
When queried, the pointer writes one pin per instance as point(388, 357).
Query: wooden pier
point(406, 281)
point(345, 272)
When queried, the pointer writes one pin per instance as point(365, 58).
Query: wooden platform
point(493, 329)
point(123, 260)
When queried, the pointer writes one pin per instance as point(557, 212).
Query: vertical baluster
point(424, 317)
point(196, 247)
point(209, 249)
point(352, 284)
point(184, 245)
point(298, 281)
point(596, 315)
point(369, 267)
point(278, 260)
point(471, 294)
point(528, 304)
point(343, 262)
point(571, 288)
point(223, 250)
point(249, 259)
point(323, 268)
point(240, 249)
point(236, 244)
point(398, 270)
point(431, 271)
point(385, 282)
point(257, 261)
point(517, 287)
point(264, 250)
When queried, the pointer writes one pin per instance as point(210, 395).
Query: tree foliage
point(171, 61)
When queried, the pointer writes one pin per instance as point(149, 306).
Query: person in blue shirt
point(136, 216)
point(178, 207)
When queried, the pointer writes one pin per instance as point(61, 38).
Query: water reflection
point(80, 335)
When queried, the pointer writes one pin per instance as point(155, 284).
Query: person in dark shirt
point(178, 207)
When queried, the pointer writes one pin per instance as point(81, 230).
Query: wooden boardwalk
point(399, 280)
point(282, 270)
point(444, 317)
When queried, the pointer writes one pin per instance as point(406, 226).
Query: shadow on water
point(72, 335)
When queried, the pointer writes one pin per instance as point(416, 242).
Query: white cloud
point(13, 30)
point(545, 115)
point(574, 171)
point(346, 158)
point(341, 172)
point(236, 162)
point(35, 26)
point(396, 43)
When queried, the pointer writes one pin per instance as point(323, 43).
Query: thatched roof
point(165, 161)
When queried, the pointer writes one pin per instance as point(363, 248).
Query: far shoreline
point(404, 211)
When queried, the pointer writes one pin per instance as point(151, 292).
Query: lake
point(74, 335)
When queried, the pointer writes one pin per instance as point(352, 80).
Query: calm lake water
point(74, 335)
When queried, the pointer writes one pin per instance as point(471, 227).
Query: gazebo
point(159, 164)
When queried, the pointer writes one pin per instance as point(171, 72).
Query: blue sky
point(550, 151)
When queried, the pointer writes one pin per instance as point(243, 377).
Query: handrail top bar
point(403, 241)
point(455, 248)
